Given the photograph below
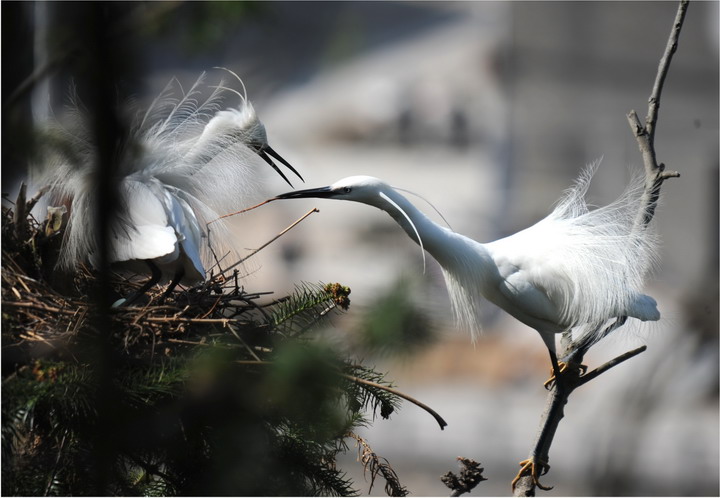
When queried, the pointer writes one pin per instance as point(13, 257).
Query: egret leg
point(535, 467)
point(156, 274)
point(175, 281)
point(558, 367)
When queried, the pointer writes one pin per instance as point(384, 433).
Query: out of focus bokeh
point(488, 110)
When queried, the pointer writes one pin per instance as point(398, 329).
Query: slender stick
point(610, 364)
point(313, 210)
point(655, 174)
point(241, 211)
point(358, 380)
point(412, 400)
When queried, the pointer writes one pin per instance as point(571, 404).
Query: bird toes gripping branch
point(563, 368)
point(533, 467)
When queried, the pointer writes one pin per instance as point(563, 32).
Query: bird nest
point(45, 310)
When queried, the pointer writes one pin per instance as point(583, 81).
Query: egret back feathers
point(185, 163)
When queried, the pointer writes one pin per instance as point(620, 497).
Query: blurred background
point(489, 110)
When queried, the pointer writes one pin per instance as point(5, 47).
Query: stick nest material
point(45, 309)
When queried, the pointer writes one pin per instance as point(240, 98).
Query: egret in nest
point(187, 160)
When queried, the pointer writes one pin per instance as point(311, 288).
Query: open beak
point(320, 193)
point(267, 152)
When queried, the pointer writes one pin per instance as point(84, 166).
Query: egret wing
point(534, 282)
point(185, 224)
point(142, 230)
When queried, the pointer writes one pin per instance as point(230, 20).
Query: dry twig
point(40, 314)
point(378, 465)
point(655, 174)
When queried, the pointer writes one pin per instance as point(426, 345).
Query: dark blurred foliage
point(395, 323)
point(94, 403)
point(205, 24)
point(17, 64)
point(188, 403)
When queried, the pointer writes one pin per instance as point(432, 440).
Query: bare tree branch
point(655, 172)
point(574, 377)
point(610, 364)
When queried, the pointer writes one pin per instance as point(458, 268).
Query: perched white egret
point(575, 269)
point(186, 161)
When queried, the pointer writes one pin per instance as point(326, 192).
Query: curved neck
point(468, 266)
point(437, 240)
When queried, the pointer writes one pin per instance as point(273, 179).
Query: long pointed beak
point(321, 193)
point(269, 150)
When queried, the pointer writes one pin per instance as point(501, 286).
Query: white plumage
point(575, 269)
point(185, 163)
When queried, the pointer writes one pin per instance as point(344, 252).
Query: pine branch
point(377, 465)
point(366, 390)
point(309, 304)
point(441, 422)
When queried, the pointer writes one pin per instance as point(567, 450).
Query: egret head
point(371, 191)
point(255, 136)
point(244, 124)
point(365, 189)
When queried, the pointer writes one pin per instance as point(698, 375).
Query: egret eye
point(347, 190)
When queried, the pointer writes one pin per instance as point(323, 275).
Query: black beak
point(269, 150)
point(321, 193)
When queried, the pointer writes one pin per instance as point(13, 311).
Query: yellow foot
point(535, 468)
point(563, 366)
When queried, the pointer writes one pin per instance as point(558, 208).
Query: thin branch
point(53, 472)
point(239, 262)
point(375, 385)
point(412, 400)
point(664, 66)
point(655, 174)
point(240, 212)
point(239, 338)
point(610, 364)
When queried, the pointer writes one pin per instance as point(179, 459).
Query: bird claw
point(536, 468)
point(563, 367)
point(548, 383)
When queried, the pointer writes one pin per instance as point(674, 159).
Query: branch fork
point(655, 174)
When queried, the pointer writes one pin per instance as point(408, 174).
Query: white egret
point(575, 269)
point(185, 162)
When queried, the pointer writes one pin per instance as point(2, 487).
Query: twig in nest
point(240, 212)
point(293, 225)
point(470, 476)
point(375, 464)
